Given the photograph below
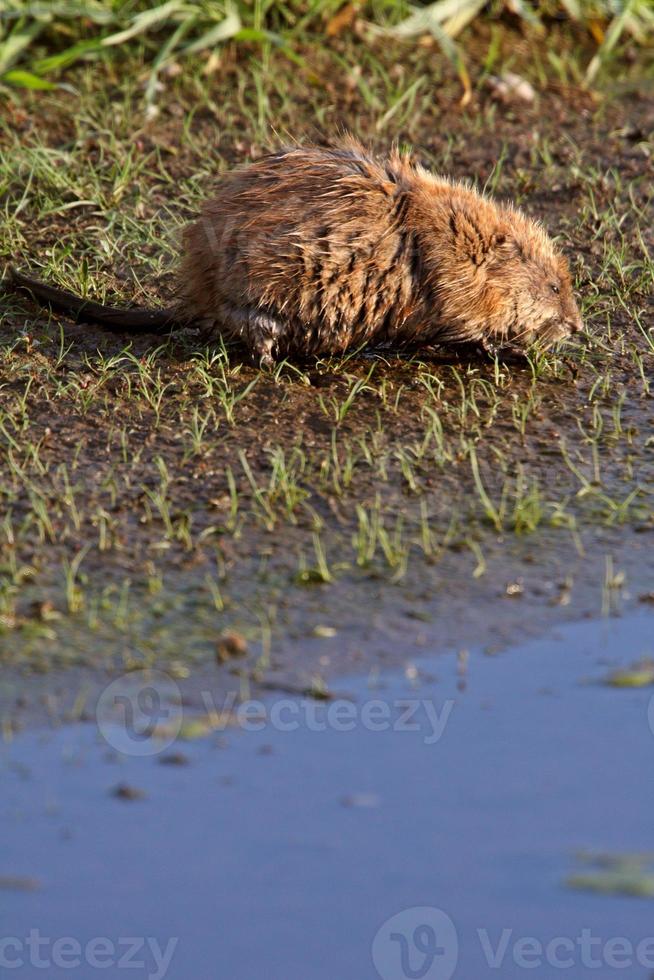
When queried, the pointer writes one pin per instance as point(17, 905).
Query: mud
point(132, 538)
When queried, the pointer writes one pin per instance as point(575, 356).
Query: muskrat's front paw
point(267, 362)
point(510, 354)
point(263, 356)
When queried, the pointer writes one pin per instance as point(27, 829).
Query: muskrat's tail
point(86, 311)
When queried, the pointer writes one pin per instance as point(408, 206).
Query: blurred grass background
point(40, 41)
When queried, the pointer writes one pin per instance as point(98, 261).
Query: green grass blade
point(492, 513)
point(456, 13)
point(165, 53)
point(98, 11)
point(572, 9)
point(453, 54)
point(252, 35)
point(18, 40)
point(224, 31)
point(25, 79)
point(55, 62)
point(612, 37)
point(463, 16)
point(144, 21)
point(527, 13)
point(438, 19)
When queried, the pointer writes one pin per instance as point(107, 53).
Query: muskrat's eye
point(554, 288)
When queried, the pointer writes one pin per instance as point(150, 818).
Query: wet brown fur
point(311, 251)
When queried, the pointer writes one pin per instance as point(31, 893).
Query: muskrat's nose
point(576, 324)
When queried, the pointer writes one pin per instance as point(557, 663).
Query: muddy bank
point(153, 497)
point(319, 636)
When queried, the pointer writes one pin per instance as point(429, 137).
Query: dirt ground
point(341, 515)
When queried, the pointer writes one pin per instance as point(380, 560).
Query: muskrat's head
point(528, 285)
point(497, 274)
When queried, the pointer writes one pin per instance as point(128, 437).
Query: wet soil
point(330, 511)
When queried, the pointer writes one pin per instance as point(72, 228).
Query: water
point(283, 853)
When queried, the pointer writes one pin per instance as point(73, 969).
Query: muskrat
point(313, 250)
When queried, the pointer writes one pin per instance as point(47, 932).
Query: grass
point(150, 496)
point(41, 43)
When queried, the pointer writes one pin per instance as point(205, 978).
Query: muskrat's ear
point(472, 240)
point(502, 240)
